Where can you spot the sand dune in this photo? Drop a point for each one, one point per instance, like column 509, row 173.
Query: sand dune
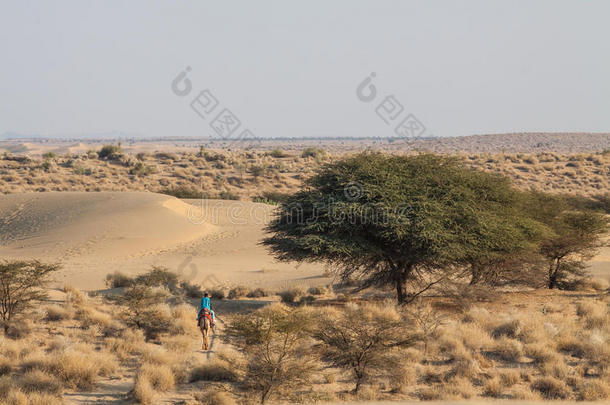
column 213, row 242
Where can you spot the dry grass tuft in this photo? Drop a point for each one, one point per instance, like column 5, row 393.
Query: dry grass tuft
column 160, row 377
column 40, row 382
column 57, row 313
column 143, row 391
column 508, row 349
column 215, row 370
column 594, row 390
column 493, row 388
column 551, row 388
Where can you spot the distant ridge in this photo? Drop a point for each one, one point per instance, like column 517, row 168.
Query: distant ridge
column 524, row 142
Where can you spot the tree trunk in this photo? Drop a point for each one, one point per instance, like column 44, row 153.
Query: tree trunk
column 476, row 275
column 553, row 274
column 400, row 281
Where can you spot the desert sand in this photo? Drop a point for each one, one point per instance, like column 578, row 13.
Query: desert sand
column 210, row 242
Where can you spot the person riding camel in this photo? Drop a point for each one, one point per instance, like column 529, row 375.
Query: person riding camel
column 206, row 307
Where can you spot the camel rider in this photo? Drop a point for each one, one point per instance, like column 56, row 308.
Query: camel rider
column 206, row 304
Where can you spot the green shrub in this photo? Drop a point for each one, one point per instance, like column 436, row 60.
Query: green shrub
column 49, row 155
column 158, row 277
column 277, row 153
column 227, row 195
column 110, row 152
column 140, row 169
column 183, row 192
column 316, row 153
column 271, row 197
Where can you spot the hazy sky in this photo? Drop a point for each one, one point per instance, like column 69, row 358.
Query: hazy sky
column 288, row 68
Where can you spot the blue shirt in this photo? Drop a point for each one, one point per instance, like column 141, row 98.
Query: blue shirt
column 205, row 303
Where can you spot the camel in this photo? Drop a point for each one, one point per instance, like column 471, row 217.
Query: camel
column 205, row 328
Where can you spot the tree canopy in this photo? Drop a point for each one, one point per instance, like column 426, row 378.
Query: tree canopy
column 22, row 283
column 402, row 221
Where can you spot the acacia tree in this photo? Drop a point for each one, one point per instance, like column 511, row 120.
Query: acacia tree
column 276, row 343
column 577, row 235
column 363, row 340
column 400, row 221
column 21, row 284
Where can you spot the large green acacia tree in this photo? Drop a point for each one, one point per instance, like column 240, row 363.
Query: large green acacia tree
column 401, row 221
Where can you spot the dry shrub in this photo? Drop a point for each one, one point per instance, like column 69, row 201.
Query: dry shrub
column 191, row 290
column 130, row 343
column 403, row 376
column 216, row 370
column 572, row 344
column 180, row 344
column 238, row 292
column 160, row 377
column 44, row 399
column 143, row 391
column 456, row 388
column 508, row 349
column 217, row 294
column 257, row 293
column 288, row 296
column 319, row 290
column 430, row 375
column 92, row 317
column 541, row 353
column 74, row 296
column 524, row 393
column 551, row 388
column 509, row 377
column 600, row 284
column 157, row 355
column 215, row 398
column 510, row 329
column 57, row 313
column 6, row 365
column 16, row 397
column 474, row 338
column 493, row 388
column 183, row 320
column 594, row 390
column 452, row 347
column 20, row 329
column 465, row 368
column 369, row 393
column 429, row 394
column 364, row 340
column 593, row 313
column 118, row 280
column 76, row 368
column 276, row 347
column 555, row 368
column 40, row 382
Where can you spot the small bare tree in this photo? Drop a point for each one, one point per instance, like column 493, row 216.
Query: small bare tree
column 277, row 344
column 363, row 339
column 21, row 284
